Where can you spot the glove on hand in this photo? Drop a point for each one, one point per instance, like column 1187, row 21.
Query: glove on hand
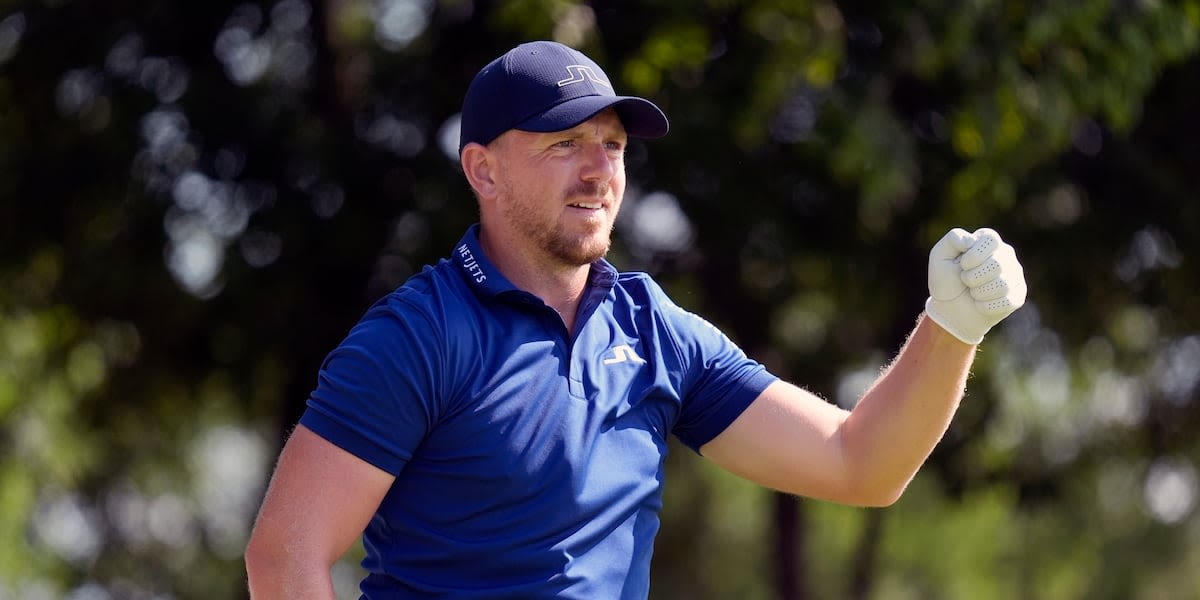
column 974, row 282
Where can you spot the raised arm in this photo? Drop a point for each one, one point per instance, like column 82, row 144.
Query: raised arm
column 790, row 440
column 318, row 503
column 793, row 441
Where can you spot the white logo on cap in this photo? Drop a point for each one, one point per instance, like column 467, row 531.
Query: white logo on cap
column 581, row 73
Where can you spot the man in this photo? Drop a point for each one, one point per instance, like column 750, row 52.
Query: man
column 497, row 426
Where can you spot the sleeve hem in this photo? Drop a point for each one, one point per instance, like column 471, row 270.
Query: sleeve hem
column 730, row 410
column 351, row 441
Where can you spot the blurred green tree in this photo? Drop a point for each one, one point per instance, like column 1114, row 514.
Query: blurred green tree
column 198, row 199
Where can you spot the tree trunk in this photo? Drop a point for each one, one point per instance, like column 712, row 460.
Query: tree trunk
column 789, row 548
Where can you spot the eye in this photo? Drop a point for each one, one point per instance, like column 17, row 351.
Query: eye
column 615, row 146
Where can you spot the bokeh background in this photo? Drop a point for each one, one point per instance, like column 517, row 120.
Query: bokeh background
column 198, row 199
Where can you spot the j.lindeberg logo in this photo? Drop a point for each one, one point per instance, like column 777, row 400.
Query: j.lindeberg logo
column 580, row 74
column 470, row 264
column 624, row 353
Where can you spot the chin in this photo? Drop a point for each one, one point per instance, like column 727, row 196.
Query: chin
column 580, row 254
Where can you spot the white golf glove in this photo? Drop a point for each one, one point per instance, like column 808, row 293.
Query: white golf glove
column 974, row 282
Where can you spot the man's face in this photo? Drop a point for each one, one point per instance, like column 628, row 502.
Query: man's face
column 562, row 190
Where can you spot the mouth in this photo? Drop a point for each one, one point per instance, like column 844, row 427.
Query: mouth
column 587, row 205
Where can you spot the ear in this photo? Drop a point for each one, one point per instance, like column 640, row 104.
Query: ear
column 479, row 165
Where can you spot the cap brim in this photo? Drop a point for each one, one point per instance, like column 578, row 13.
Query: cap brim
column 640, row 117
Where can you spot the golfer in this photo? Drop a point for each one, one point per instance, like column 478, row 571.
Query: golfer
column 497, row 426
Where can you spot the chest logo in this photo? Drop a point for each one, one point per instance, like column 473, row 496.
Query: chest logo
column 623, row 353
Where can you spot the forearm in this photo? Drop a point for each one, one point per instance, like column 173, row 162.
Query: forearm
column 904, row 414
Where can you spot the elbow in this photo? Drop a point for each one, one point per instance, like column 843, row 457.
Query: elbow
column 873, row 479
column 259, row 560
column 883, row 499
column 276, row 568
column 860, row 494
column 865, row 500
column 264, row 561
column 879, row 494
column 871, row 485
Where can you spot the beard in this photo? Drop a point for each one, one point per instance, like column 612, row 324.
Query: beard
column 579, row 252
column 566, row 247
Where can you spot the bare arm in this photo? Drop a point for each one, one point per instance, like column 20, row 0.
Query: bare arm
column 318, row 503
column 791, row 440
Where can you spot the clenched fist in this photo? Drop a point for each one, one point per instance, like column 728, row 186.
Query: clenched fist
column 975, row 281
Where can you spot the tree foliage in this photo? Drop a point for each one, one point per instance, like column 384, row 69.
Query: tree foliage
column 198, row 199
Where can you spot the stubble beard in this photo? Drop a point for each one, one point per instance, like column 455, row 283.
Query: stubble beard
column 577, row 252
column 551, row 237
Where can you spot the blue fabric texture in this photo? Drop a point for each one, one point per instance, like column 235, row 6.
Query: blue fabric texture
column 528, row 459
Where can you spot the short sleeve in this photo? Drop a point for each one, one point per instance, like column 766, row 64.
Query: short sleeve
column 718, row 380
column 375, row 395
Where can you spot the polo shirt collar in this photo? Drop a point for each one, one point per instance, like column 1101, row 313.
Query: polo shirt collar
column 486, row 280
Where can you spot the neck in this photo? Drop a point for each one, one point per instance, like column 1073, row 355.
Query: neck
column 559, row 285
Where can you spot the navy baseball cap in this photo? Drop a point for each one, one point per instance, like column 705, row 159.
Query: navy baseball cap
column 546, row 86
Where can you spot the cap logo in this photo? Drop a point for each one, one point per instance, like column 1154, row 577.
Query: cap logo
column 580, row 74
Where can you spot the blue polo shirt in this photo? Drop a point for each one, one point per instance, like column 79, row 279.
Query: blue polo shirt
column 528, row 459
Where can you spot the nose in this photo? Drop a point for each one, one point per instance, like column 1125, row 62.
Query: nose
column 599, row 163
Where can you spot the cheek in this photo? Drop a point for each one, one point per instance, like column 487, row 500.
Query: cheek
column 618, row 168
column 618, row 184
column 525, row 184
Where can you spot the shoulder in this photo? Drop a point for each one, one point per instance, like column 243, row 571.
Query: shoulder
column 645, row 290
column 640, row 287
column 421, row 311
column 424, row 329
column 436, row 289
